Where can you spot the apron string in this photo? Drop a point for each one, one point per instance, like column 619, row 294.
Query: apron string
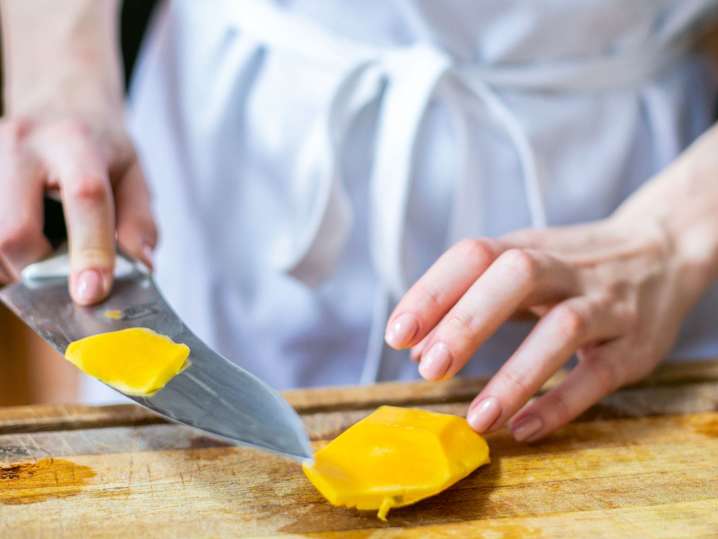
column 412, row 78
column 532, row 177
column 371, row 372
column 466, row 217
column 322, row 216
column 412, row 75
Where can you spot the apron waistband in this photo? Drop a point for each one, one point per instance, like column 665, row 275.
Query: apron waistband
column 407, row 79
column 414, row 76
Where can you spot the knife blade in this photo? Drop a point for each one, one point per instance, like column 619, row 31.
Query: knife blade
column 212, row 394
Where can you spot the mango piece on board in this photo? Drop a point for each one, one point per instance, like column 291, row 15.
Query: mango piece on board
column 137, row 361
column 396, row 457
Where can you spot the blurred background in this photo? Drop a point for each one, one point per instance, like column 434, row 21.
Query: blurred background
column 30, row 372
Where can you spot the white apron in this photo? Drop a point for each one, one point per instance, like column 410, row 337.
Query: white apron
column 309, row 160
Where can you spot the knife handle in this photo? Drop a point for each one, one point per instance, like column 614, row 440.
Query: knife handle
column 57, row 265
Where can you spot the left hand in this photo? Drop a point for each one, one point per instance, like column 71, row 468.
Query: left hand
column 613, row 292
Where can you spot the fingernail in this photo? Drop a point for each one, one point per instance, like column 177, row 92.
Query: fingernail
column 89, row 286
column 484, row 414
column 435, row 362
column 402, row 330
column 526, row 428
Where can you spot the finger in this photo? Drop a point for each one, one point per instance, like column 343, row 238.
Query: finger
column 417, row 350
column 425, row 304
column 550, row 344
column 569, row 238
column 21, row 208
column 82, row 174
column 516, row 276
column 592, row 379
column 5, row 275
column 136, row 229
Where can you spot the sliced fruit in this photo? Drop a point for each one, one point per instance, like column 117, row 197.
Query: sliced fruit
column 137, row 361
column 396, row 457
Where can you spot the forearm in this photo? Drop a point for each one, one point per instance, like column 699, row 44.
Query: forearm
column 60, row 55
column 683, row 200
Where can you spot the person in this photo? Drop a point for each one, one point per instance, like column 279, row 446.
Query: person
column 544, row 173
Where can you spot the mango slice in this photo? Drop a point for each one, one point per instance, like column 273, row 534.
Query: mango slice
column 137, row 361
column 396, row 457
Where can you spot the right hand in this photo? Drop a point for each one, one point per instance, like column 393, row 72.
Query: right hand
column 100, row 181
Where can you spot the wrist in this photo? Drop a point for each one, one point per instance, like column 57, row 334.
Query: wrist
column 66, row 96
column 682, row 203
column 694, row 252
column 61, row 59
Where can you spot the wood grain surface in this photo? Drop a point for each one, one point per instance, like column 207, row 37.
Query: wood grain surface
column 643, row 463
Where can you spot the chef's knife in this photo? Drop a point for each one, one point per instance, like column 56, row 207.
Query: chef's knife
column 212, row 394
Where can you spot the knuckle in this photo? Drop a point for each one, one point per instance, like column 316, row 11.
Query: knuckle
column 522, row 263
column 517, row 383
column 89, row 188
column 15, row 236
column 461, row 322
column 559, row 407
column 607, row 374
column 474, row 252
column 571, row 322
column 13, row 130
column 430, row 297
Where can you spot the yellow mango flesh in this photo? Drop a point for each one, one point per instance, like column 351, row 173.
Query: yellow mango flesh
column 396, row 457
column 137, row 361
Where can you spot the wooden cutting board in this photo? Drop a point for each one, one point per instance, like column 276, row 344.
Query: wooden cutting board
column 644, row 463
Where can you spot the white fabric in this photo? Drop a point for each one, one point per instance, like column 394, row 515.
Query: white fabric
column 310, row 159
column 413, row 74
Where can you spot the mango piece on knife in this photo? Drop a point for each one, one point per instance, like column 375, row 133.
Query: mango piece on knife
column 137, row 361
column 396, row 457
